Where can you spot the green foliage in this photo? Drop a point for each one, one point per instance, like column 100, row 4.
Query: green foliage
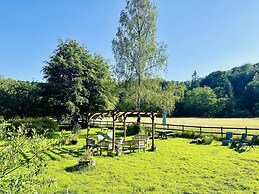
column 133, row 129
column 137, row 128
column 189, row 135
column 219, row 82
column 39, row 125
column 62, row 138
column 77, row 82
column 20, row 98
column 200, row 102
column 195, row 83
column 206, row 140
column 135, row 49
column 21, row 160
column 236, row 93
column 158, row 95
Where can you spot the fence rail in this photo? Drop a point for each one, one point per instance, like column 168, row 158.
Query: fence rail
column 217, row 130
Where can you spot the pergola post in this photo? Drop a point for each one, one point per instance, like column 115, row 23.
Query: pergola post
column 153, row 131
column 114, row 118
column 124, row 126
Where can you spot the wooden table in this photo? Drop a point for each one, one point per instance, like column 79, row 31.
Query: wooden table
column 163, row 134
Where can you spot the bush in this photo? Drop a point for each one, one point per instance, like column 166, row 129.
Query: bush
column 136, row 128
column 190, row 135
column 76, row 129
column 206, row 140
column 133, row 129
column 40, row 125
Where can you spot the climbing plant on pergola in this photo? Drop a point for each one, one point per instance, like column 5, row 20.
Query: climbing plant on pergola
column 115, row 115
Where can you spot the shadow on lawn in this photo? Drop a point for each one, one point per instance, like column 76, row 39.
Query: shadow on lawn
column 78, row 168
column 240, row 151
column 72, row 152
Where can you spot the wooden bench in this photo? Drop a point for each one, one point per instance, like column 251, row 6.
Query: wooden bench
column 144, row 137
column 135, row 144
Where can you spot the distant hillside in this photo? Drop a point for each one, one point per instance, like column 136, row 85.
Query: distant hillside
column 236, row 90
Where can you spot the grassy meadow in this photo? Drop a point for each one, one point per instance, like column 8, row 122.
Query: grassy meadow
column 213, row 123
column 176, row 167
column 216, row 122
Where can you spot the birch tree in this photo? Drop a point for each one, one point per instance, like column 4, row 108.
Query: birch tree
column 137, row 54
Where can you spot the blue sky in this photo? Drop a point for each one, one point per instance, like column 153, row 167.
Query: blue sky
column 201, row 35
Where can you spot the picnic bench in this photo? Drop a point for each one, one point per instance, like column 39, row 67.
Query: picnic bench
column 164, row 134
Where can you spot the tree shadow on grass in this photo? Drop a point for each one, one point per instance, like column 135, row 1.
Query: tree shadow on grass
column 69, row 151
column 240, row 151
column 78, row 168
column 51, row 156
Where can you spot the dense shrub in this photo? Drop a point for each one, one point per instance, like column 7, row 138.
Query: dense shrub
column 197, row 138
column 206, row 140
column 40, row 125
column 190, row 135
column 133, row 129
column 136, row 128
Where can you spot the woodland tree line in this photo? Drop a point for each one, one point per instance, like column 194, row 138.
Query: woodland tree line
column 78, row 81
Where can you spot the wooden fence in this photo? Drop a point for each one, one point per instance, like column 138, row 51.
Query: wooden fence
column 187, row 128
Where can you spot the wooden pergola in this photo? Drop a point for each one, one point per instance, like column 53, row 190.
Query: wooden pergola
column 115, row 115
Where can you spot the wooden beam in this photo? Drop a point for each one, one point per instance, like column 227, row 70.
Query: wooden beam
column 124, row 125
column 153, row 131
column 114, row 118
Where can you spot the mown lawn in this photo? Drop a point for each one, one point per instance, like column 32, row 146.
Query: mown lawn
column 177, row 167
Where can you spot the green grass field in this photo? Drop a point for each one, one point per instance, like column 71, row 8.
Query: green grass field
column 226, row 122
column 176, row 167
column 214, row 123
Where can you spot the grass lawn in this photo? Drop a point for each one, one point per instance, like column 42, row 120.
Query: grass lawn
column 177, row 167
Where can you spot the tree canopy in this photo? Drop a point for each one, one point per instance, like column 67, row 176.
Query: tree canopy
column 77, row 81
column 135, row 49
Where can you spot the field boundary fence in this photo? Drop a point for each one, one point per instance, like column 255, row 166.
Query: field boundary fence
column 210, row 130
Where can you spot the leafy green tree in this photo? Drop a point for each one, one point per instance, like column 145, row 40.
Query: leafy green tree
column 250, row 98
column 19, row 98
column 195, row 80
column 158, row 96
column 100, row 85
column 64, row 74
column 135, row 49
column 77, row 81
column 219, row 82
column 241, row 76
column 200, row 102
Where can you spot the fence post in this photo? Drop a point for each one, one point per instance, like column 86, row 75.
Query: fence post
column 168, row 126
column 200, row 130
column 182, row 128
column 221, row 128
column 246, row 130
